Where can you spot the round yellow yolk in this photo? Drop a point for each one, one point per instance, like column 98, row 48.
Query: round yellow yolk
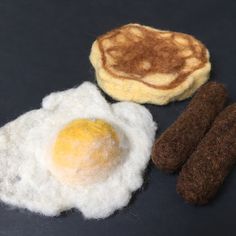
column 85, row 148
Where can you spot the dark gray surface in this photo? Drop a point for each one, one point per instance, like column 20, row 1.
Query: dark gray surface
column 44, row 46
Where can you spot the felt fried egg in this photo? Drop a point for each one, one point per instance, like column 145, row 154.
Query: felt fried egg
column 76, row 151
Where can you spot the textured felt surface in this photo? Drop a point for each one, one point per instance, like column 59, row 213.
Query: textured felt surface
column 203, row 174
column 177, row 143
column 44, row 46
column 29, row 174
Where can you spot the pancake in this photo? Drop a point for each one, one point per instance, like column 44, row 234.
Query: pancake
column 146, row 65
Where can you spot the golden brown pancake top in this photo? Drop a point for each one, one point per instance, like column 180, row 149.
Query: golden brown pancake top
column 133, row 52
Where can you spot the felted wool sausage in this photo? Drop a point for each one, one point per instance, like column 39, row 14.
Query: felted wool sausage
column 178, row 142
column 206, row 169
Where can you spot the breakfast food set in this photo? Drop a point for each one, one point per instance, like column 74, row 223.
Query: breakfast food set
column 79, row 151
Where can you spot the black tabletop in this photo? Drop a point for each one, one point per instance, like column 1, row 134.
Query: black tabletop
column 44, row 47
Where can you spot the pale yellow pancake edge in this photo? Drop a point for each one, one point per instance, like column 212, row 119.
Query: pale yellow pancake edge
column 132, row 90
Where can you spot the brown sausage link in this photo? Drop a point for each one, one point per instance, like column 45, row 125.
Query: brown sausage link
column 178, row 142
column 206, row 169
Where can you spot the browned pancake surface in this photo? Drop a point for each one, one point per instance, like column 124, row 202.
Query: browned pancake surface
column 133, row 52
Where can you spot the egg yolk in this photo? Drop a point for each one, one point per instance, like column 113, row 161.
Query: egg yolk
column 85, row 150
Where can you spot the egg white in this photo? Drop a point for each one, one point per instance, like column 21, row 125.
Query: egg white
column 26, row 143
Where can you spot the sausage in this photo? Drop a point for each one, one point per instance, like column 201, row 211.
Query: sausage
column 178, row 142
column 206, row 169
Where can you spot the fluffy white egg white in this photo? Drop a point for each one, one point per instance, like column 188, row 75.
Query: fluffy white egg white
column 26, row 179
